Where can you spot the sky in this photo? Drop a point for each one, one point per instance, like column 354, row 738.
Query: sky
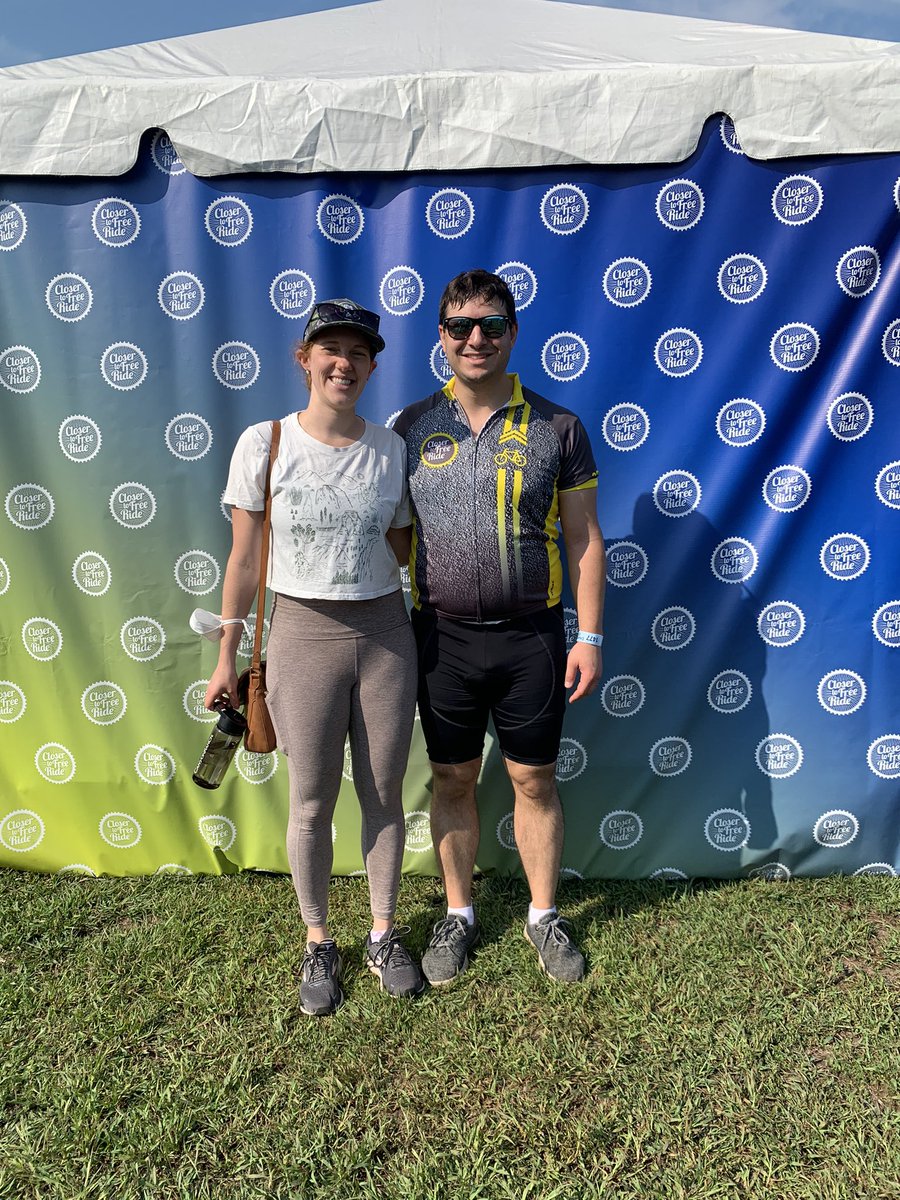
column 35, row 29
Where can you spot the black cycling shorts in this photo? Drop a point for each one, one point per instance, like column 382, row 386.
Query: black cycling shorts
column 513, row 671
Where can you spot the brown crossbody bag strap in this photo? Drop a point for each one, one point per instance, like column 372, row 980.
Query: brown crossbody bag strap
column 264, row 551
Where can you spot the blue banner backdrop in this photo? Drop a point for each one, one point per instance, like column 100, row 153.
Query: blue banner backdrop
column 729, row 332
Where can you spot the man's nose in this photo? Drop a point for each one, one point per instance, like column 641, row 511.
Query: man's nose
column 476, row 337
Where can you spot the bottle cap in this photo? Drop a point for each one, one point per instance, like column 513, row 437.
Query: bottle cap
column 231, row 721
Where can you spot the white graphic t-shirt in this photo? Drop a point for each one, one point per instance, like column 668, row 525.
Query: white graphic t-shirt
column 331, row 508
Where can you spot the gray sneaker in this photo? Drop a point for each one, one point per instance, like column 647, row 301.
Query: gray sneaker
column 560, row 957
column 395, row 967
column 448, row 951
column 320, row 979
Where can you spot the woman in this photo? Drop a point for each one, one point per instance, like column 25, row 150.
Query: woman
column 340, row 656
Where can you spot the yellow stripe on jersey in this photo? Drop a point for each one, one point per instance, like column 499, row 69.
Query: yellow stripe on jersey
column 554, row 563
column 581, row 487
column 517, row 529
column 501, row 529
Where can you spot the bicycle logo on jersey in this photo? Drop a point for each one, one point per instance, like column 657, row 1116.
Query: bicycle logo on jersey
column 510, row 458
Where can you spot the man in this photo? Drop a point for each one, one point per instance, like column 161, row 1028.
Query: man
column 492, row 467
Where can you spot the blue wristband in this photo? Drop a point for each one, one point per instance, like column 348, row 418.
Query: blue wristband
column 592, row 639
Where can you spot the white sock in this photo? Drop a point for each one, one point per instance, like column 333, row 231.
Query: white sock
column 468, row 913
column 376, row 935
column 537, row 914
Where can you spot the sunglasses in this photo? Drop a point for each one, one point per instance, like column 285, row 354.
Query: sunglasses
column 331, row 311
column 459, row 328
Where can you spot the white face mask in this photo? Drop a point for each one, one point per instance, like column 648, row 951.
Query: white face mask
column 210, row 625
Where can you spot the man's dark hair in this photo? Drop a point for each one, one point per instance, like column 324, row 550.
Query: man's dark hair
column 477, row 285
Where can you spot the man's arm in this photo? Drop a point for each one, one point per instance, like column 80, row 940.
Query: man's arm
column 586, row 556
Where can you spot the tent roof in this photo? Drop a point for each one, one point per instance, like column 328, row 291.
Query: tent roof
column 401, row 85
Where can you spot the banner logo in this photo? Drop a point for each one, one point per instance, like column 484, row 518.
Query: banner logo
column 197, row 572
column 680, row 204
column 794, row 347
column 876, row 869
column 670, row 756
column 120, row 830
column 571, row 760
column 228, row 221
column 506, row 833
column 217, row 831
column 620, row 830
column 859, row 271
column 255, row 768
column 787, row 488
column 440, row 368
column 678, row 353
column 727, row 829
column 5, row 577
column 734, row 560
column 21, row 830
column 188, row 436
column 79, row 438
column 133, row 505
column 29, row 506
column 673, row 628
column 194, row 702
column 570, row 621
column 402, row 290
column 347, row 769
column 13, row 225
column 883, row 756
column 245, row 645
column 836, row 828
column 740, row 422
column 677, row 493
column 729, row 137
column 92, row 573
column 340, row 219
column 797, row 200
column 742, row 278
column 164, row 156
column 292, row 293
column 781, row 623
column 729, row 692
column 12, row 702
column 626, row 564
column 42, row 638
column 564, row 209
column 521, row 281
column 627, row 282
column 69, row 297
column 154, row 765
column 773, row 872
column 115, row 222
column 779, row 756
column 142, row 638
column 850, row 416
column 20, row 369
column 55, row 762
column 104, row 702
column 123, row 366
column 841, row 692
column 844, row 556
column 887, row 485
column 625, row 427
column 890, row 343
column 565, row 356
column 623, row 696
column 886, row 624
column 181, row 295
column 669, row 875
column 418, row 833
column 450, row 213
column 236, row 365
column 172, row 869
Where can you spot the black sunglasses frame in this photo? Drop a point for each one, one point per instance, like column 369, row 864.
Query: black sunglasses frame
column 471, row 322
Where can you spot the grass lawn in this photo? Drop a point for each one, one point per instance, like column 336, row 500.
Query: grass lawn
column 734, row 1039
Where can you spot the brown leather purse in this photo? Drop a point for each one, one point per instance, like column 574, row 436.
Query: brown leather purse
column 260, row 735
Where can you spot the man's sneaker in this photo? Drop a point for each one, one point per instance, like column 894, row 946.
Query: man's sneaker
column 448, row 950
column 395, row 967
column 320, row 979
column 560, row 957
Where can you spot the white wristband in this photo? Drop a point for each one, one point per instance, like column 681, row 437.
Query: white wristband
column 592, row 639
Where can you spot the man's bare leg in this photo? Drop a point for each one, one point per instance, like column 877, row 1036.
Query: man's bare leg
column 538, row 824
column 455, row 827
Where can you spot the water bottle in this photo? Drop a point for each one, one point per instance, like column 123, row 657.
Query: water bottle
column 223, row 741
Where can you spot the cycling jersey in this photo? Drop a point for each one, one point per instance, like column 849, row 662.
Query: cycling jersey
column 485, row 508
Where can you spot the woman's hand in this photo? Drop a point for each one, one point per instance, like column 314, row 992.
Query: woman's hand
column 223, row 686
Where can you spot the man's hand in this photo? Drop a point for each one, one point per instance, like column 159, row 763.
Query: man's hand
column 585, row 663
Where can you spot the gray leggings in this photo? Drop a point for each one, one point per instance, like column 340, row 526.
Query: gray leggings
column 336, row 667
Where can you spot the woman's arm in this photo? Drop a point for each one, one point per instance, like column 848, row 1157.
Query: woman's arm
column 239, row 589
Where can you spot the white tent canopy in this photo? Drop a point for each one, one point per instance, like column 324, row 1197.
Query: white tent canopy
column 402, row 85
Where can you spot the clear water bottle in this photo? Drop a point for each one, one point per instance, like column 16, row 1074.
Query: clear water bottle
column 223, row 741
